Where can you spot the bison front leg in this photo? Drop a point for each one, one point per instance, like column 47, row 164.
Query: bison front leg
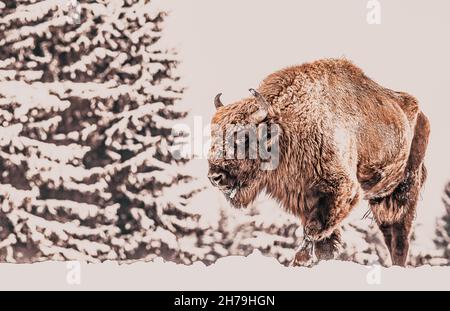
column 330, row 202
column 335, row 200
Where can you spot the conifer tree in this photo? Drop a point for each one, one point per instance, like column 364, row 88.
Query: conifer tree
column 88, row 98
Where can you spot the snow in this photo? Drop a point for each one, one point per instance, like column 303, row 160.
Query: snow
column 254, row 272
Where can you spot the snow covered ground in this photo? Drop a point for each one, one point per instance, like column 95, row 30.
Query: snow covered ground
column 255, row 272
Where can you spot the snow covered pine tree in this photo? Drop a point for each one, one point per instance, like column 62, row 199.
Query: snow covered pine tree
column 88, row 97
column 443, row 227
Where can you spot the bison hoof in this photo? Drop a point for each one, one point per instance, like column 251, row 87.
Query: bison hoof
column 303, row 258
column 325, row 250
column 305, row 255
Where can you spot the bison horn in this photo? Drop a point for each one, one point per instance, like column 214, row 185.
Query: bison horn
column 217, row 101
column 260, row 99
column 263, row 110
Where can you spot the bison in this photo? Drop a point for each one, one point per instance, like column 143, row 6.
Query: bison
column 342, row 138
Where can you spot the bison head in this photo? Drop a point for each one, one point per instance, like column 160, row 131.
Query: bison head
column 244, row 148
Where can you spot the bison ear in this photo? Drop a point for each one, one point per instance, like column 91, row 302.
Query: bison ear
column 217, row 101
column 263, row 107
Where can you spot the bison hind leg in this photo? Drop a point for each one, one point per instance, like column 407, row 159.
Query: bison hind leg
column 396, row 212
column 395, row 222
column 394, row 215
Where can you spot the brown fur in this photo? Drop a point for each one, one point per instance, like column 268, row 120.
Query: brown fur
column 344, row 137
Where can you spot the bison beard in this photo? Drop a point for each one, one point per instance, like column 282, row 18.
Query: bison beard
column 343, row 138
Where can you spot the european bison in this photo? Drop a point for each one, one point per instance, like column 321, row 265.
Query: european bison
column 342, row 137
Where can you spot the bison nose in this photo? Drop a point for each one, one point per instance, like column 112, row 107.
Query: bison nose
column 216, row 178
